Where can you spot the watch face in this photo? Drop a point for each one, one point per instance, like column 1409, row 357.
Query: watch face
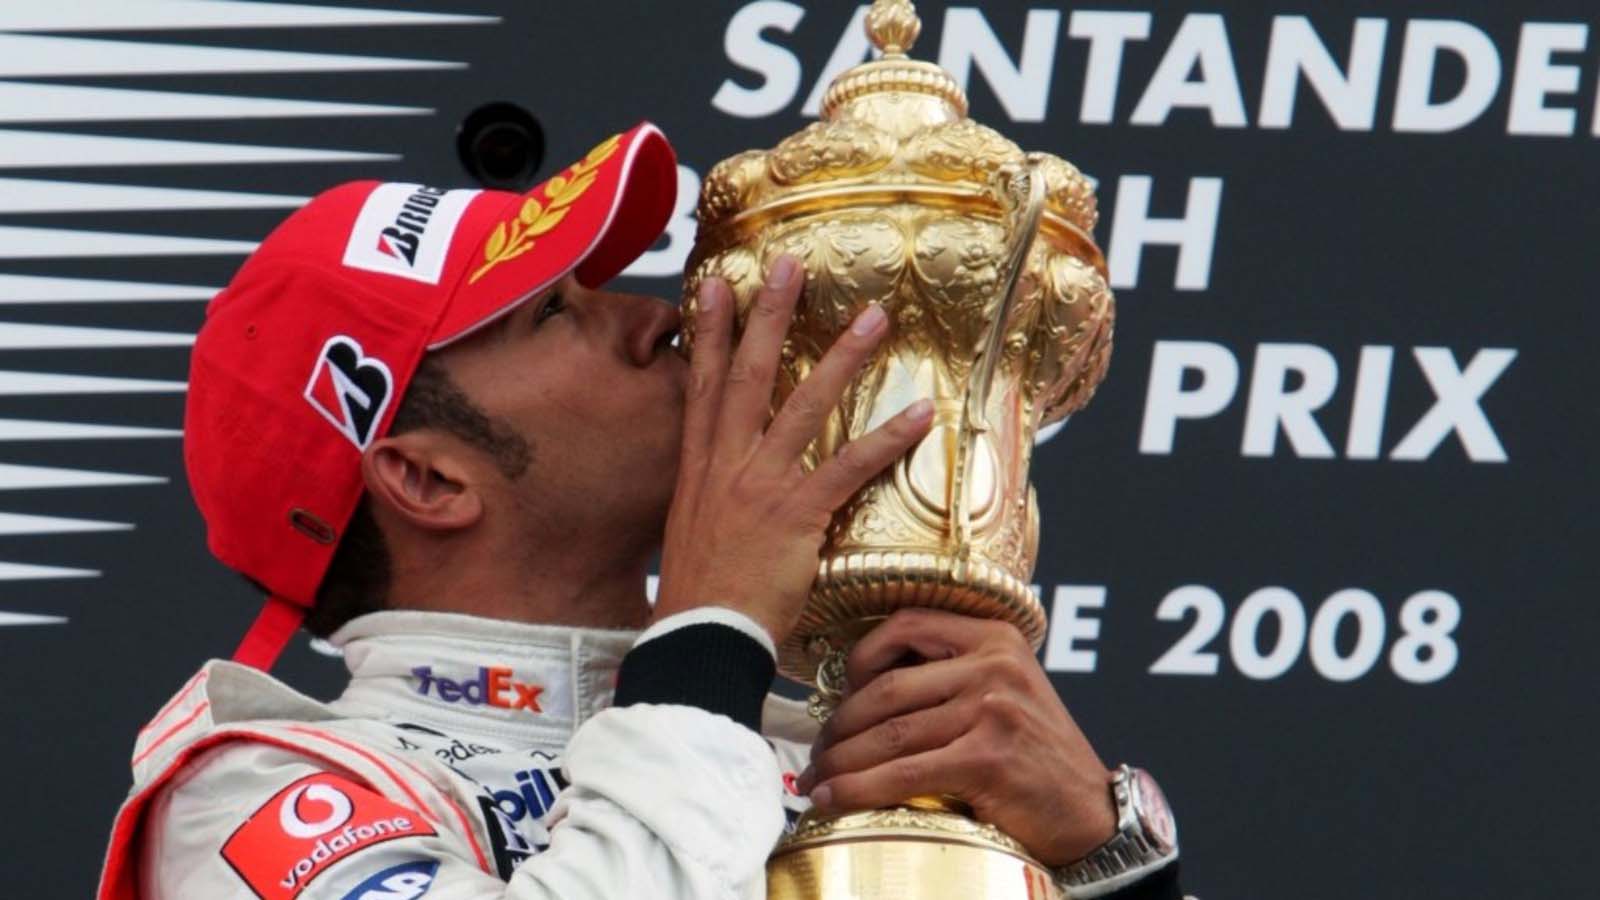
column 1155, row 817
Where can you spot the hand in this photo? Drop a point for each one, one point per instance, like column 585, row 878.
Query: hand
column 977, row 720
column 747, row 522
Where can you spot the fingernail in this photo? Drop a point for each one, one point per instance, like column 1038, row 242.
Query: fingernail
column 920, row 411
column 709, row 296
column 869, row 320
column 782, row 271
column 822, row 796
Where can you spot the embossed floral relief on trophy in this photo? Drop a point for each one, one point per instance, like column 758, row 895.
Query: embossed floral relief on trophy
column 983, row 257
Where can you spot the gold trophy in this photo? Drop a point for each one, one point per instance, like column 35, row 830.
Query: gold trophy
column 983, row 257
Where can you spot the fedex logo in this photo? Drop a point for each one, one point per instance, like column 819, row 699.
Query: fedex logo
column 401, row 239
column 494, row 686
column 307, row 827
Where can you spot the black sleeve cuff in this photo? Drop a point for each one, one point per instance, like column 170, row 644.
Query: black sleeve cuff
column 714, row 667
column 1161, row 885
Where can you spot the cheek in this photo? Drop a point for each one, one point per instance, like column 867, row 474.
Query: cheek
column 626, row 421
column 637, row 402
column 600, row 410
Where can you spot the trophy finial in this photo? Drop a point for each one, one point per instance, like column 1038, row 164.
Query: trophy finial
column 893, row 26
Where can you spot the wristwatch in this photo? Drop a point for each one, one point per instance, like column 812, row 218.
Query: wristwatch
column 1146, row 838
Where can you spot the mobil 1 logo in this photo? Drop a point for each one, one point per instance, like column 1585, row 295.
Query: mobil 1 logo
column 407, row 881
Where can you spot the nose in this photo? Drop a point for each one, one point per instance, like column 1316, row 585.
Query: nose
column 645, row 324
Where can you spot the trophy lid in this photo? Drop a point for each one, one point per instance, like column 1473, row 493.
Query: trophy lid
column 892, row 129
column 893, row 27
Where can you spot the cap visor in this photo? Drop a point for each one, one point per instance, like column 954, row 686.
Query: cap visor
column 594, row 219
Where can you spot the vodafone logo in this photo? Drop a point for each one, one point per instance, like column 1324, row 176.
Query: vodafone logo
column 293, row 821
column 309, row 826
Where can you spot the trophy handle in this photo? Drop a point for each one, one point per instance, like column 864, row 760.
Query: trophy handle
column 1021, row 192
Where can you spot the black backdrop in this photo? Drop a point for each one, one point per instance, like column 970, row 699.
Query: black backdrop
column 1345, row 615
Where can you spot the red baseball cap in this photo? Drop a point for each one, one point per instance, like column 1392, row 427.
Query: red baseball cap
column 302, row 358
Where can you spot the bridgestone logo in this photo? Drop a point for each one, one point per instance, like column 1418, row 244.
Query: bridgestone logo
column 400, row 239
column 406, row 230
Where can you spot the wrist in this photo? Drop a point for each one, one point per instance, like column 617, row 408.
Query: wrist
column 665, row 624
column 1145, row 840
column 710, row 665
column 1086, row 826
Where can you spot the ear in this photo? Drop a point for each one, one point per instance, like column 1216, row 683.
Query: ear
column 418, row 477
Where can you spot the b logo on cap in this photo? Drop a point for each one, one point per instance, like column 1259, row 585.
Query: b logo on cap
column 350, row 390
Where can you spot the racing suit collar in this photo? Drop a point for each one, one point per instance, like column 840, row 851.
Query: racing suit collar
column 510, row 682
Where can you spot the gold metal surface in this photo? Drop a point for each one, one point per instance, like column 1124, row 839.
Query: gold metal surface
column 983, row 257
column 899, row 854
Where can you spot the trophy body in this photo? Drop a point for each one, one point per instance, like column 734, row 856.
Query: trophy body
column 999, row 312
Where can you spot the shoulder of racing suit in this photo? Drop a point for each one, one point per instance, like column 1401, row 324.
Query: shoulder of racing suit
column 235, row 776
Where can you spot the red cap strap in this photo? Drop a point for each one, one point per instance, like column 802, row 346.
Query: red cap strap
column 272, row 631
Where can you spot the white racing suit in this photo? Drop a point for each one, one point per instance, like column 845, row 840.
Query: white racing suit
column 473, row 758
column 470, row 758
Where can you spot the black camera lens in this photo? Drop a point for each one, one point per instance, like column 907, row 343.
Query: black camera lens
column 501, row 145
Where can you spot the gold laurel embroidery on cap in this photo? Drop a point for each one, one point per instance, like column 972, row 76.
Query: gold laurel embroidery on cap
column 515, row 236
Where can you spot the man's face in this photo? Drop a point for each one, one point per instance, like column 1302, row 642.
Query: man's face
column 590, row 380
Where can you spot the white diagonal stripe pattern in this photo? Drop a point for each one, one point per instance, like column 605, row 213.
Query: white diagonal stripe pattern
column 17, row 524
column 32, row 430
column 28, row 478
column 36, row 384
column 59, row 243
column 36, row 56
column 22, row 195
column 44, row 289
column 132, row 15
column 10, row 571
column 26, row 336
column 26, row 102
column 37, row 43
column 8, row 619
column 39, row 149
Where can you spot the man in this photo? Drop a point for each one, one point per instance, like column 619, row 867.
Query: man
column 418, row 423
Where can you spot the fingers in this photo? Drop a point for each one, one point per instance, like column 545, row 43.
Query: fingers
column 929, row 634
column 890, row 739
column 748, row 397
column 808, row 406
column 940, row 771
column 855, row 463
column 896, row 692
column 708, row 369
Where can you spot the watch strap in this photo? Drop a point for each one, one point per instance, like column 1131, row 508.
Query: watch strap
column 1129, row 856
column 1158, row 881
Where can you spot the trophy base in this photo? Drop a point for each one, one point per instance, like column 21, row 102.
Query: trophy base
column 903, row 853
column 855, row 590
